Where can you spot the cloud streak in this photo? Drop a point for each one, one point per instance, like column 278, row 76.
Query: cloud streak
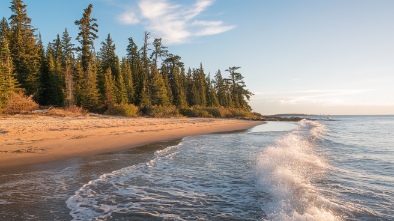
column 316, row 97
column 175, row 23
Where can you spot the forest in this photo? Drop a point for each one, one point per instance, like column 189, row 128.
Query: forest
column 148, row 81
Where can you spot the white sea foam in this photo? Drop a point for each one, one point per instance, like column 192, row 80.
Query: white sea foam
column 86, row 203
column 288, row 170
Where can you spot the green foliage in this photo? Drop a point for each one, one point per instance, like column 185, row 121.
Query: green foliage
column 87, row 34
column 109, row 89
column 65, row 75
column 161, row 111
column 158, row 89
column 218, row 112
column 24, row 48
column 128, row 79
column 88, row 91
column 195, row 111
column 127, row 110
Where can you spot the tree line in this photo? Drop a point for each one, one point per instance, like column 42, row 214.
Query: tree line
column 65, row 74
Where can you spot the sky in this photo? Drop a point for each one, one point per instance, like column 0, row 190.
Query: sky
column 297, row 56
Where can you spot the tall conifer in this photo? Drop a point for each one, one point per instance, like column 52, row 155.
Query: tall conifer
column 88, row 88
column 24, row 49
column 8, row 83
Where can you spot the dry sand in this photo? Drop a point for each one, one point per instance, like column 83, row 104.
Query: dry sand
column 30, row 139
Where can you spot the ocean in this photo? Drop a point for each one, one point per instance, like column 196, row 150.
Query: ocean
column 338, row 169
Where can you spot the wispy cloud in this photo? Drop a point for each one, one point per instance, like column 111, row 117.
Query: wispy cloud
column 175, row 23
column 317, row 97
column 129, row 17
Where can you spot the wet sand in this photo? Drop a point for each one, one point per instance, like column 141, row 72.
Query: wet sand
column 33, row 139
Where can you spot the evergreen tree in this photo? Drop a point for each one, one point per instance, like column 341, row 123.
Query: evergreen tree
column 174, row 64
column 138, row 74
column 191, row 89
column 196, row 88
column 68, row 63
column 212, row 100
column 88, row 83
column 202, row 86
column 158, row 89
column 159, row 51
column 56, row 73
column 8, row 83
column 145, row 75
column 121, row 95
column 5, row 31
column 128, row 79
column 109, row 88
column 24, row 49
column 220, row 89
column 88, row 29
column 44, row 77
column 108, row 59
column 68, row 49
column 164, row 73
column 238, row 91
column 178, row 89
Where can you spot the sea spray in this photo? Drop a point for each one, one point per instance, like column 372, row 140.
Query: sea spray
column 288, row 170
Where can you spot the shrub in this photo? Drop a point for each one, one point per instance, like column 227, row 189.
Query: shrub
column 218, row 112
column 76, row 110
column 162, row 111
column 67, row 111
column 195, row 112
column 127, row 110
column 18, row 103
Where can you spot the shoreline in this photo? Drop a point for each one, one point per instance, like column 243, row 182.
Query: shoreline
column 35, row 139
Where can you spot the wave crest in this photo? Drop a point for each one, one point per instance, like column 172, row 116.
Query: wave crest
column 288, row 170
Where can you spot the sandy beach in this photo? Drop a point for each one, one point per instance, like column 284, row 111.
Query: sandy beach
column 31, row 139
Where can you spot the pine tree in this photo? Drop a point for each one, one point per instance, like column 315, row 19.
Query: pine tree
column 58, row 74
column 108, row 59
column 68, row 49
column 201, row 84
column 140, row 96
column 220, row 89
column 212, row 100
column 44, row 77
column 88, row 83
column 158, row 89
column 196, row 88
column 55, row 85
column 178, row 89
column 159, row 51
column 128, row 79
column 164, row 73
column 109, row 88
column 237, row 89
column 24, row 49
column 5, row 31
column 8, row 83
column 121, row 95
column 68, row 62
column 191, row 90
column 145, row 75
column 174, row 64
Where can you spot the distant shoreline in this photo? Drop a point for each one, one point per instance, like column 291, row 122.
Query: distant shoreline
column 34, row 139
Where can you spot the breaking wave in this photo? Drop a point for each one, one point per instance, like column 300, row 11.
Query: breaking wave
column 289, row 170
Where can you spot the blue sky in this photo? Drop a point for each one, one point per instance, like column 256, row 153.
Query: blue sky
column 297, row 56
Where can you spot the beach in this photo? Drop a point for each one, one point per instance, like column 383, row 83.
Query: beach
column 33, row 139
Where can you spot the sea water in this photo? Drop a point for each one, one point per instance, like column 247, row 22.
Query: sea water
column 309, row 170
